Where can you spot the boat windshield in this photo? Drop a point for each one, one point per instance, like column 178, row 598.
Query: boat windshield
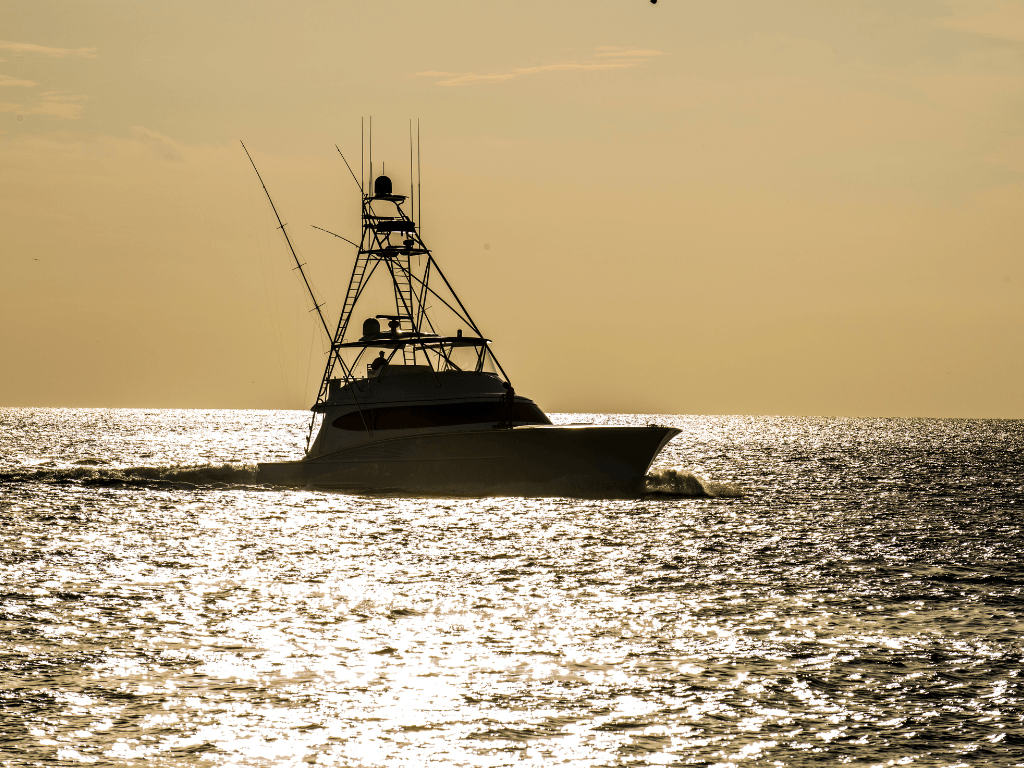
column 439, row 415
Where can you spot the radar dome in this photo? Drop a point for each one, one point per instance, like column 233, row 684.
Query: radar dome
column 371, row 327
column 382, row 186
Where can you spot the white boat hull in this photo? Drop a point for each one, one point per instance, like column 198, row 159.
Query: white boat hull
column 578, row 461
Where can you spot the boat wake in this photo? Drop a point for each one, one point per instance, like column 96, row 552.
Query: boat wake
column 684, row 484
column 89, row 474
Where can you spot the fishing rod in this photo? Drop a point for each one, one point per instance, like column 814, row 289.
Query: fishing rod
column 298, row 264
column 314, row 226
column 350, row 169
column 316, row 305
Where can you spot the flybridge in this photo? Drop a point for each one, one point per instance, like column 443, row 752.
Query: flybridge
column 392, row 249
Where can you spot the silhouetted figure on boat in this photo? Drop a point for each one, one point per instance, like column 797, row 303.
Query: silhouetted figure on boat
column 378, row 362
column 506, row 406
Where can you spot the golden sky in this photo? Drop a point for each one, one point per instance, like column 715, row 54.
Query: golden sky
column 809, row 208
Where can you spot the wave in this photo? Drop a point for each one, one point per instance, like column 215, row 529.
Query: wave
column 683, row 483
column 204, row 474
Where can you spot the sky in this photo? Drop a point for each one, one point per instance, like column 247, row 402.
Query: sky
column 740, row 207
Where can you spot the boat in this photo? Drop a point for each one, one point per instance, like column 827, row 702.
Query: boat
column 414, row 401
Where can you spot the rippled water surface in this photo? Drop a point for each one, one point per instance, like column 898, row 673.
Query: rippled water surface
column 829, row 591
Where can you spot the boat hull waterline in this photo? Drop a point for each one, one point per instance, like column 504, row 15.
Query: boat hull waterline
column 578, row 461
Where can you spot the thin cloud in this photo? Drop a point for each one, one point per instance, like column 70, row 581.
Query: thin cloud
column 157, row 144
column 631, row 53
column 1006, row 22
column 51, row 104
column 605, row 58
column 7, row 80
column 43, row 50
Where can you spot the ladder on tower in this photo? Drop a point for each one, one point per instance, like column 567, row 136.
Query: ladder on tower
column 403, row 301
column 355, row 284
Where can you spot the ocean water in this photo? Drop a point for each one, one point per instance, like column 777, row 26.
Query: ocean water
column 791, row 592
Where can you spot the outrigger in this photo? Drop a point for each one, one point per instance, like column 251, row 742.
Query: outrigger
column 434, row 412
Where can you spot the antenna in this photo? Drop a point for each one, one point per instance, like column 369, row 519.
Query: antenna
column 298, row 264
column 362, row 153
column 412, row 203
column 371, row 151
column 419, row 181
